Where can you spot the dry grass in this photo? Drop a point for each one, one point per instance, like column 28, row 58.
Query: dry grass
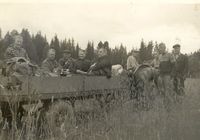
column 124, row 122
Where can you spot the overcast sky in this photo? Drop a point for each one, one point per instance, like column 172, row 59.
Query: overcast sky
column 126, row 21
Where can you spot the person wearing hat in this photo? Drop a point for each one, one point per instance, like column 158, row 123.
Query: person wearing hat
column 66, row 61
column 132, row 62
column 180, row 70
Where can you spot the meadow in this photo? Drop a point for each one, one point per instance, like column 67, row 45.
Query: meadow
column 122, row 121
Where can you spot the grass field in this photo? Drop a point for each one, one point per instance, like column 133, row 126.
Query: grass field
column 123, row 122
column 182, row 122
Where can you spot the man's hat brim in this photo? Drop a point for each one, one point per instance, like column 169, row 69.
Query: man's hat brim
column 66, row 51
column 176, row 46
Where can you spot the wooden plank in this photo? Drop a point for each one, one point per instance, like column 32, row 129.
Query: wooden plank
column 55, row 85
column 102, row 83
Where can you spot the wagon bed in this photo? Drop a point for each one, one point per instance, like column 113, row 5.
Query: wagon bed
column 35, row 88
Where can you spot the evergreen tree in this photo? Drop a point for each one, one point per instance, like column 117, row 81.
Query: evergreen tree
column 194, row 64
column 56, row 45
column 0, row 34
column 90, row 51
column 100, row 45
column 77, row 51
column 41, row 46
column 142, row 53
column 2, row 49
column 149, row 51
column 29, row 46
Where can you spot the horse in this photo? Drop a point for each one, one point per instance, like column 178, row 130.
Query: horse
column 142, row 81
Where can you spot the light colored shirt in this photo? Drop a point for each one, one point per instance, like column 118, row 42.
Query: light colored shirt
column 132, row 63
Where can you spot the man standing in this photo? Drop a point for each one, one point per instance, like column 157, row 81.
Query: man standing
column 180, row 69
column 81, row 65
column 166, row 64
column 102, row 67
column 132, row 63
column 49, row 65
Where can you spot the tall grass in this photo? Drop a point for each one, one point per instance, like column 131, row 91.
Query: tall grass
column 121, row 121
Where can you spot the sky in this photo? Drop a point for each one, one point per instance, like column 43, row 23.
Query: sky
column 115, row 21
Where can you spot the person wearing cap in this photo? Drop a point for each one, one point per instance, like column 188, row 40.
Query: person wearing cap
column 66, row 61
column 166, row 64
column 81, row 65
column 180, row 70
column 50, row 66
column 132, row 62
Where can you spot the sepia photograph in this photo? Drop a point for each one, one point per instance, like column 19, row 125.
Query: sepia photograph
column 99, row 69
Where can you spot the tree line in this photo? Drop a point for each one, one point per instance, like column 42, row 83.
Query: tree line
column 37, row 45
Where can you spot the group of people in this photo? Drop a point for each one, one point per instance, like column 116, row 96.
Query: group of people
column 172, row 68
column 66, row 65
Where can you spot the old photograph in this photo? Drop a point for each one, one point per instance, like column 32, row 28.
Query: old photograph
column 99, row 70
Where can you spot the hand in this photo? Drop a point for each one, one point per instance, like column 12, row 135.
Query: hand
column 92, row 66
column 90, row 72
column 53, row 74
column 81, row 72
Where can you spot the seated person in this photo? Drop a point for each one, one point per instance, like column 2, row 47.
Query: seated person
column 102, row 66
column 66, row 61
column 81, row 65
column 50, row 66
column 16, row 49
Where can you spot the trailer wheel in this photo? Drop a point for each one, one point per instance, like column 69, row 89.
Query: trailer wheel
column 61, row 118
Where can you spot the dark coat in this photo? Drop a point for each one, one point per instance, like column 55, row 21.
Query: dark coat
column 80, row 64
column 66, row 63
column 181, row 65
column 103, row 67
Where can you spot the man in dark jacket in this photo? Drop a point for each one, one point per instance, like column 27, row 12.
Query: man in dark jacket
column 66, row 61
column 180, row 70
column 81, row 65
column 102, row 66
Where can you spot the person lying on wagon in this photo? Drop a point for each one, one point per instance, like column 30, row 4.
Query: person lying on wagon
column 102, row 66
